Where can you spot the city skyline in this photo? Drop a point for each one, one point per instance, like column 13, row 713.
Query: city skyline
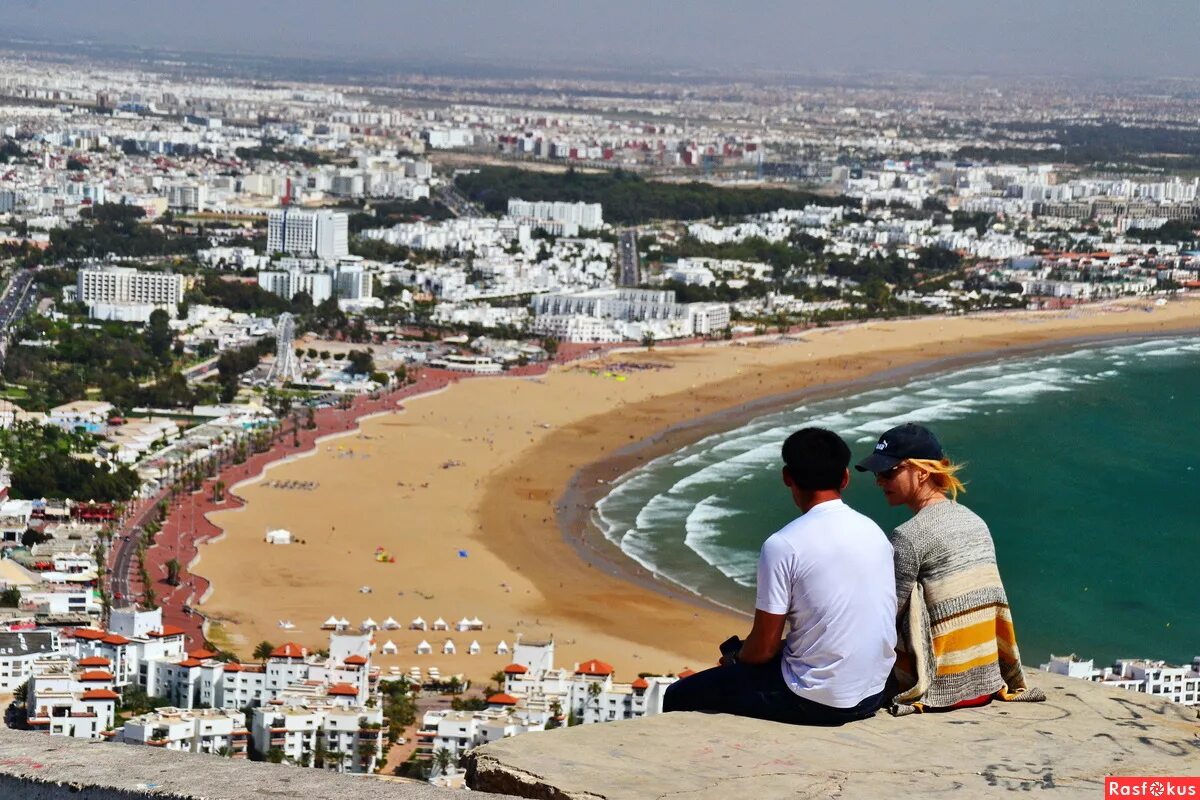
column 817, row 38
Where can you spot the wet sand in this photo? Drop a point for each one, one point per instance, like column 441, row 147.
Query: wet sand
column 505, row 469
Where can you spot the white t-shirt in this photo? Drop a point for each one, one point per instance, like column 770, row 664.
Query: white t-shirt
column 831, row 572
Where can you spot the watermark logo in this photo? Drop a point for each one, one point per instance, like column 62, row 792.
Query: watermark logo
column 1151, row 786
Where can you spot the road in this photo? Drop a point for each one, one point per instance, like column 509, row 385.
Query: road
column 627, row 259
column 17, row 300
column 459, row 206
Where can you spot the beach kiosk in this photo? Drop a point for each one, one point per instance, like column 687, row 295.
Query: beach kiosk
column 463, row 624
column 369, row 624
column 424, row 648
column 330, row 624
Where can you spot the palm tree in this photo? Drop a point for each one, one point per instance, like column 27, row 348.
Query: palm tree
column 173, row 568
column 442, row 759
column 594, row 690
column 218, row 494
column 262, row 650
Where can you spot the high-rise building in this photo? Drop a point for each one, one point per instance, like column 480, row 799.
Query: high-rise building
column 106, row 284
column 323, row 233
column 289, row 283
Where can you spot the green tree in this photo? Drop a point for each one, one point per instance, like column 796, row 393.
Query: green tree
column 173, row 569
column 275, row 755
column 10, row 597
column 442, row 759
column 262, row 650
column 159, row 336
column 550, row 345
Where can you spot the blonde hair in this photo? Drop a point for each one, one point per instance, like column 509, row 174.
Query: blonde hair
column 942, row 474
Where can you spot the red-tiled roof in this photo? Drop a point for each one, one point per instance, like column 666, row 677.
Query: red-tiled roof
column 101, row 694
column 95, row 661
column 640, row 683
column 516, row 669
column 190, row 663
column 115, row 639
column 201, row 653
column 96, row 675
column 89, row 633
column 167, row 630
column 685, row 672
column 356, row 660
column 594, row 667
column 502, row 699
column 288, row 650
column 233, row 666
column 342, row 690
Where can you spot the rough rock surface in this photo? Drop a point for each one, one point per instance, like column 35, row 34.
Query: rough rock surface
column 1066, row 745
column 34, row 766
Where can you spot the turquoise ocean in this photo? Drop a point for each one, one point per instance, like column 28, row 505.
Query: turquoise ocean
column 1085, row 465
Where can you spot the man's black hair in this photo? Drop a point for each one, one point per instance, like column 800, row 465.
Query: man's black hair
column 816, row 459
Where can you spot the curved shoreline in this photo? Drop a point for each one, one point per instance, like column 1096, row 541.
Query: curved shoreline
column 592, row 482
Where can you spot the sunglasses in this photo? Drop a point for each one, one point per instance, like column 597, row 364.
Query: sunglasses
column 890, row 474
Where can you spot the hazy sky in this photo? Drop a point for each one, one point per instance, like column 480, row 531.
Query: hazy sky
column 1078, row 37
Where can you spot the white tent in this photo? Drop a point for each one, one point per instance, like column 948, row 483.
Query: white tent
column 463, row 624
column 390, row 624
column 502, row 647
column 369, row 624
column 424, row 648
column 475, row 624
column 279, row 536
column 448, row 648
column 439, row 624
column 330, row 624
column 390, row 648
column 418, row 624
column 343, row 623
column 474, row 649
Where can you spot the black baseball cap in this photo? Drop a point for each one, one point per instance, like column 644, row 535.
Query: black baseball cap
column 900, row 443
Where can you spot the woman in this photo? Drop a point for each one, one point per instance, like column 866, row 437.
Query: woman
column 956, row 647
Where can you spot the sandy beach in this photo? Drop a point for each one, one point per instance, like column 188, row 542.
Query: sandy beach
column 471, row 489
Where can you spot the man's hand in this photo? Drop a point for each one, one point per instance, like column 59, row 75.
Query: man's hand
column 765, row 639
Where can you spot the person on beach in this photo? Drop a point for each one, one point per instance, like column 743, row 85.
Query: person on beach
column 956, row 647
column 827, row 578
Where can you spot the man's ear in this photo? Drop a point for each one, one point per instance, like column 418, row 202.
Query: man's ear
column 845, row 479
column 787, row 478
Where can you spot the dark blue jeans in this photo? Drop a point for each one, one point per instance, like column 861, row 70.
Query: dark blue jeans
column 758, row 690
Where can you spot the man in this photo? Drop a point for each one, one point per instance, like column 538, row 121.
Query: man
column 828, row 577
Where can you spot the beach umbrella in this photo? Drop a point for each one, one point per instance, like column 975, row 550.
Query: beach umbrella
column 474, row 649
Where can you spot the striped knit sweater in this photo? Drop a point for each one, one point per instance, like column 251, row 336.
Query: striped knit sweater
column 956, row 639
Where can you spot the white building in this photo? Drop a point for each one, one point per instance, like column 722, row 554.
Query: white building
column 287, row 284
column 216, row 731
column 64, row 701
column 127, row 294
column 350, row 737
column 18, row 652
column 1157, row 678
column 324, row 234
column 587, row 216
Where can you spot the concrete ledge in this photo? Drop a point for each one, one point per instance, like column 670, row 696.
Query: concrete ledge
column 1066, row 745
column 34, row 766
